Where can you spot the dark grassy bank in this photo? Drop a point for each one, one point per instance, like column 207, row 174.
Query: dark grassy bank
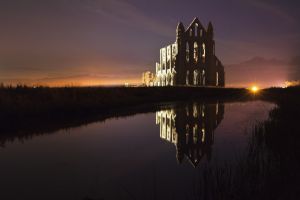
column 25, row 109
column 25, row 101
column 31, row 104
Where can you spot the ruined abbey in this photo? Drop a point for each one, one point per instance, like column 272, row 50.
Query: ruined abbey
column 191, row 60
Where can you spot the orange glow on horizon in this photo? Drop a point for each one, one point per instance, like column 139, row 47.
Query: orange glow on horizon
column 84, row 82
column 254, row 89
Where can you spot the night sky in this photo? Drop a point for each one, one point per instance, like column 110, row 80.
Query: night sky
column 91, row 42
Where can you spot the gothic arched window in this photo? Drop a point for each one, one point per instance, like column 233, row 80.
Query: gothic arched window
column 203, row 52
column 187, row 52
column 196, row 52
column 187, row 78
column 203, row 77
column 195, row 78
column 196, row 30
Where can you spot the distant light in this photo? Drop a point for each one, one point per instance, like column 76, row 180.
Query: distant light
column 292, row 83
column 254, row 89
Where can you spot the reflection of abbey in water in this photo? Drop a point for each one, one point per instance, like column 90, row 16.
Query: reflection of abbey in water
column 191, row 129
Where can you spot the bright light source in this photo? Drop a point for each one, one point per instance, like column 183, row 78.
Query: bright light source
column 254, row 89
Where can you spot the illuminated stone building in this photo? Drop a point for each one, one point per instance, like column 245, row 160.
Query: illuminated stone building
column 148, row 78
column 191, row 60
column 191, row 130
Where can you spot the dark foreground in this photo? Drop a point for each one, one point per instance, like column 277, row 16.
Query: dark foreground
column 42, row 101
column 34, row 108
column 269, row 170
column 22, row 106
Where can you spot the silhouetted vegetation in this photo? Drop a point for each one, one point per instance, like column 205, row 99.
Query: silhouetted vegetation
column 22, row 105
column 270, row 169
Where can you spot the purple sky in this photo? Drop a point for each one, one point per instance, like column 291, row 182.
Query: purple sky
column 114, row 41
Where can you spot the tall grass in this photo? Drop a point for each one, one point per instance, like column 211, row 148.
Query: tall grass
column 270, row 169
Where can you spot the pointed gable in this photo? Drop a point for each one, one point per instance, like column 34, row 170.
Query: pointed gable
column 195, row 21
column 195, row 27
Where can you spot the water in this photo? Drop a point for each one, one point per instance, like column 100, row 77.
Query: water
column 144, row 156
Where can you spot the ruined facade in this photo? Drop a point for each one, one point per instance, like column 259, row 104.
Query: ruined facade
column 191, row 60
column 148, row 79
column 191, row 129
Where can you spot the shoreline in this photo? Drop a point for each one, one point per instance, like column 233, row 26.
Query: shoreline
column 27, row 109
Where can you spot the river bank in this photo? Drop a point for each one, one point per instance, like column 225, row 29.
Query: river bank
column 38, row 107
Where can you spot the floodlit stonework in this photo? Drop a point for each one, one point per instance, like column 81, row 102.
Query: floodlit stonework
column 191, row 60
column 148, row 79
column 191, row 130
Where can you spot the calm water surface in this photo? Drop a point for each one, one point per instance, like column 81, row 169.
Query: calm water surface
column 145, row 156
